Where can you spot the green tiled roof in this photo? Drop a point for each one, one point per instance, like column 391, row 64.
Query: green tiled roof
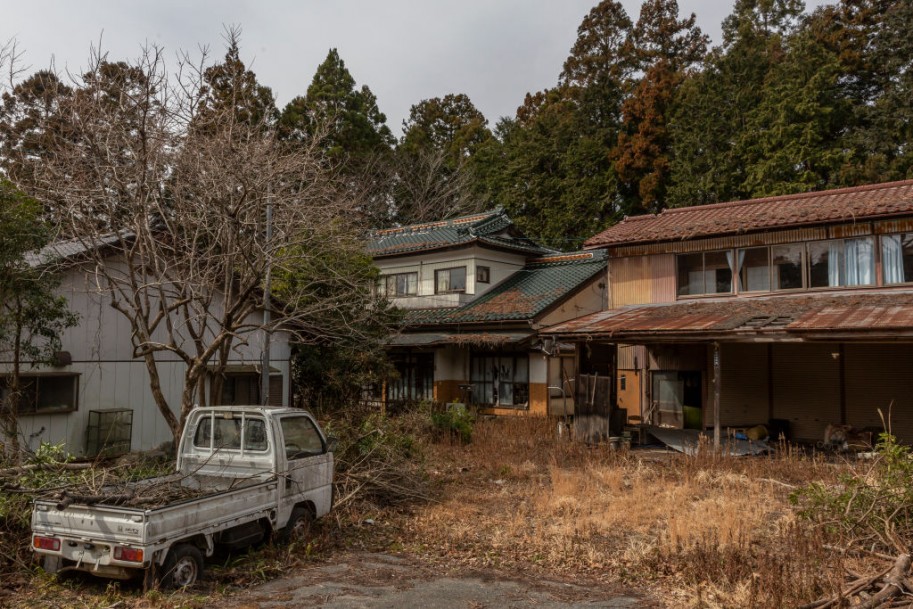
column 524, row 295
column 491, row 228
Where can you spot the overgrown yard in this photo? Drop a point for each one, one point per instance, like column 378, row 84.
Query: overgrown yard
column 699, row 531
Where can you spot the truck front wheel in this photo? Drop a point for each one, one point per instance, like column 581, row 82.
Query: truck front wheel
column 298, row 527
column 183, row 567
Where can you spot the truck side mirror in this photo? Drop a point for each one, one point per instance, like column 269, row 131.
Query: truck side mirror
column 332, row 443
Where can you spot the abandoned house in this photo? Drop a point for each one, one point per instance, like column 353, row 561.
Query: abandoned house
column 476, row 293
column 794, row 312
column 97, row 397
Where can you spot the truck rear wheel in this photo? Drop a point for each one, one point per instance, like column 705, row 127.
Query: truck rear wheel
column 51, row 564
column 183, row 567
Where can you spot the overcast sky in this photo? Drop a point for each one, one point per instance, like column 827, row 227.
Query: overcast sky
column 404, row 50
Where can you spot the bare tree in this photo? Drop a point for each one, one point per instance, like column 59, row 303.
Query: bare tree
column 427, row 189
column 168, row 194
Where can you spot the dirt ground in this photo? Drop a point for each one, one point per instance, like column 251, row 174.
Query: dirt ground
column 374, row 581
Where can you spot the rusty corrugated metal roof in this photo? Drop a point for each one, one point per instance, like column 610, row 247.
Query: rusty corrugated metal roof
column 735, row 217
column 872, row 312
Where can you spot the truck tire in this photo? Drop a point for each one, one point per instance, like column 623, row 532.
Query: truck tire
column 298, row 527
column 183, row 567
column 51, row 564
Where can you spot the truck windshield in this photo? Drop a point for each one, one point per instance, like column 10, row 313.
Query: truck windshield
column 301, row 438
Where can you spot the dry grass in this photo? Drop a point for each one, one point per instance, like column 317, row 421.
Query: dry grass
column 703, row 531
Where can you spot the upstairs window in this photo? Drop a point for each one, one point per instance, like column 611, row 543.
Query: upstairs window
column 483, row 274
column 841, row 262
column 786, row 266
column 450, row 280
column 401, row 284
column 754, row 269
column 897, row 258
column 707, row 273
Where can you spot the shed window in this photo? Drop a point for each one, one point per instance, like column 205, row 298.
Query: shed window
column 707, row 273
column 786, row 266
column 897, row 258
column 450, row 280
column 45, row 393
column 754, row 269
column 841, row 262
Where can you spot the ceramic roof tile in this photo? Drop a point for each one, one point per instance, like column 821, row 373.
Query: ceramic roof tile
column 829, row 206
column 524, row 295
column 492, row 228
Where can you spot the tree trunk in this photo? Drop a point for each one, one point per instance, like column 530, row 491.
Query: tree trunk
column 155, row 384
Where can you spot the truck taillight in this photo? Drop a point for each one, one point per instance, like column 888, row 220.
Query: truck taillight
column 128, row 554
column 46, row 543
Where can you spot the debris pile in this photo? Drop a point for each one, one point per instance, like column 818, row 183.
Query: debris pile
column 888, row 589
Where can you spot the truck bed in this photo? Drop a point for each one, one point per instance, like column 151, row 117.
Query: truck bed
column 169, row 507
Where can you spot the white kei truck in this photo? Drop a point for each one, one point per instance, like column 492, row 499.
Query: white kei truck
column 248, row 471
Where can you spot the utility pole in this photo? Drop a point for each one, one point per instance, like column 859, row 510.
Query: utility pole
column 267, row 303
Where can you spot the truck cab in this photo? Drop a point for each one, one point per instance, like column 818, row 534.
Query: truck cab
column 251, row 471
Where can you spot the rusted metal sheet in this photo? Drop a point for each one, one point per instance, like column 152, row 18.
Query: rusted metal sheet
column 841, row 231
column 851, row 312
column 886, row 227
column 860, row 317
column 720, row 243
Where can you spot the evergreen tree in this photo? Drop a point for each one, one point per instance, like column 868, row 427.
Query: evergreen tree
column 230, row 87
column 792, row 142
column 29, row 119
column 355, row 127
column 665, row 48
column 713, row 106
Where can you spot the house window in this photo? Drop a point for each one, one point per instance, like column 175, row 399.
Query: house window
column 241, row 389
column 483, row 274
column 754, row 269
column 500, row 380
column 401, row 284
column 786, row 266
column 414, row 380
column 897, row 258
column 450, row 280
column 46, row 393
column 706, row 273
column 841, row 262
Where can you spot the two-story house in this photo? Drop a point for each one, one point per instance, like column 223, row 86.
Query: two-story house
column 792, row 311
column 476, row 293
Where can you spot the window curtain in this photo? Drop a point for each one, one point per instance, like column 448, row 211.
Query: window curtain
column 859, row 262
column 834, row 263
column 892, row 258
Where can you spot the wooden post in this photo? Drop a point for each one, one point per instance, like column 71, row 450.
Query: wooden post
column 717, row 382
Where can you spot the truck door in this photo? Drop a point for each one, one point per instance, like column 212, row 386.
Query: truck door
column 310, row 465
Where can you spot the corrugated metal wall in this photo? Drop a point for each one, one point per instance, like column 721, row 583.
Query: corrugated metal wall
column 876, row 377
column 806, row 384
column 642, row 280
column 744, row 396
